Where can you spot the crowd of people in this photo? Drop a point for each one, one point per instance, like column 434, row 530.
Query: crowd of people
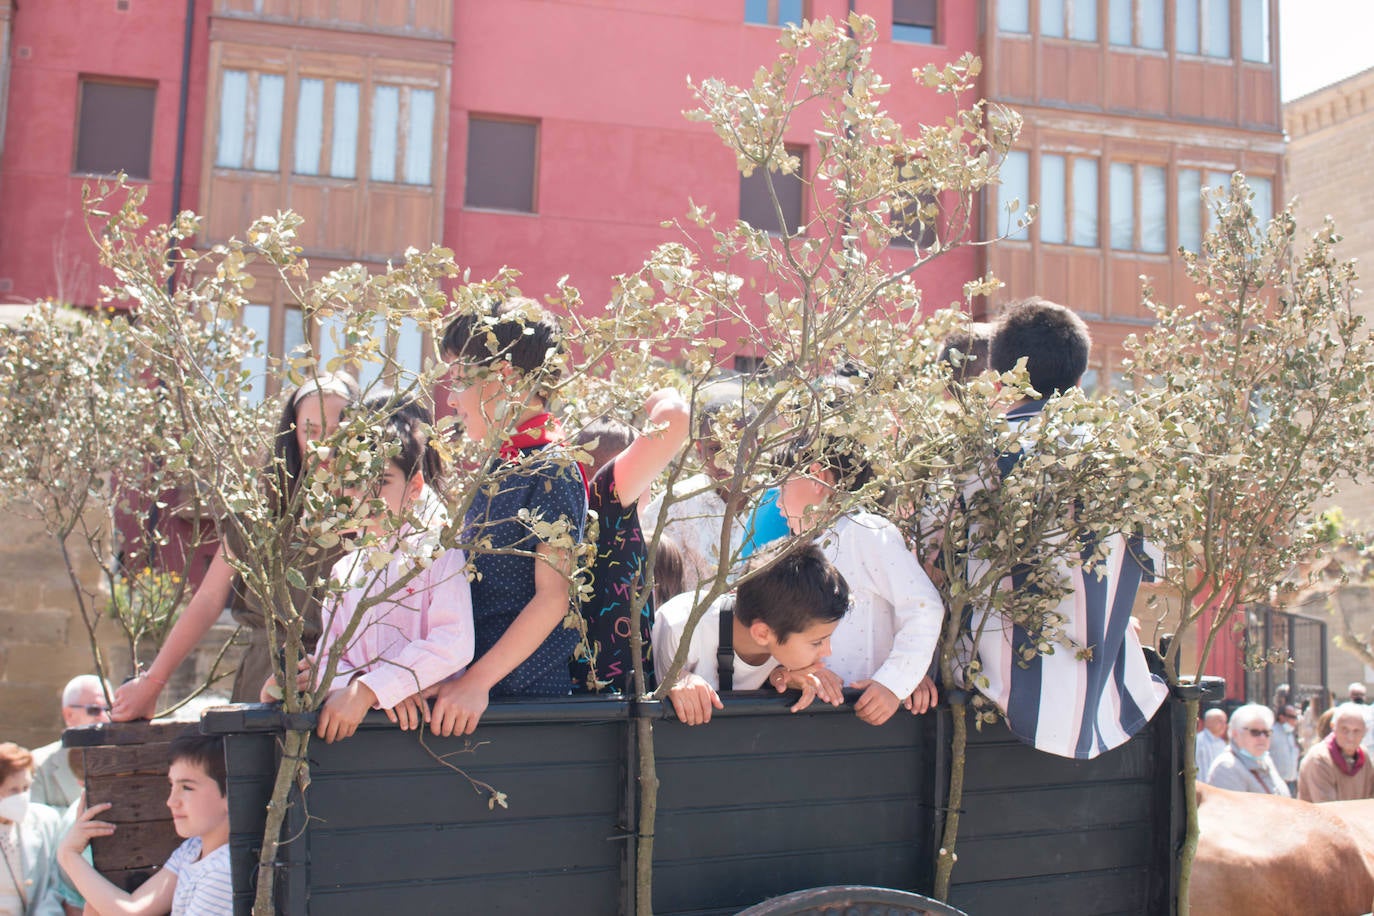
column 836, row 599
column 1278, row 750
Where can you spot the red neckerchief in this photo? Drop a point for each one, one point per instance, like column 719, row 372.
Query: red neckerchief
column 1338, row 755
column 539, row 430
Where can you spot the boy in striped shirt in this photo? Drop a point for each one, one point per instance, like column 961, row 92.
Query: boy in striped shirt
column 195, row 881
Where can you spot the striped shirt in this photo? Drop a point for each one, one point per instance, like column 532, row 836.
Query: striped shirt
column 203, row 887
column 1060, row 703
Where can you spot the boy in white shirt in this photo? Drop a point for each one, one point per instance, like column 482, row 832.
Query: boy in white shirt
column 196, row 879
column 885, row 644
column 777, row 625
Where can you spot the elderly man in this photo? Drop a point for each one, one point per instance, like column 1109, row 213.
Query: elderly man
column 1211, row 741
column 1245, row 764
column 1358, row 693
column 1338, row 768
column 55, row 781
column 1284, row 747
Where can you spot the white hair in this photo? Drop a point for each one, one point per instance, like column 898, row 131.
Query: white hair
column 1348, row 711
column 1249, row 713
column 71, row 694
column 1213, row 713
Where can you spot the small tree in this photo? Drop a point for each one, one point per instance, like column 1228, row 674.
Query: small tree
column 1262, row 388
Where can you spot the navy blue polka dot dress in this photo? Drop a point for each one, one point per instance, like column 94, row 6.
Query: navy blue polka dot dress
column 549, row 485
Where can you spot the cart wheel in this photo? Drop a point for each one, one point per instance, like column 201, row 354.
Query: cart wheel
column 851, row 901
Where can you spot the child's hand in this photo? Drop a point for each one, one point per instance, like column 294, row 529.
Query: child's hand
column 877, row 704
column 815, row 681
column 458, row 707
column 84, row 829
column 693, row 699
column 270, row 693
column 923, row 697
column 411, row 713
column 341, row 713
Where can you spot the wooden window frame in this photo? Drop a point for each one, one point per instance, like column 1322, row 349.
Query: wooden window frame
column 85, row 80
column 535, row 171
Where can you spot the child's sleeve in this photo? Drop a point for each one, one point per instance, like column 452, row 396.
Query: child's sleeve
column 669, row 623
column 916, row 608
column 447, row 643
column 559, row 493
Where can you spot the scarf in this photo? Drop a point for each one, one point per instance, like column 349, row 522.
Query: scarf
column 1258, row 767
column 538, row 431
column 1342, row 762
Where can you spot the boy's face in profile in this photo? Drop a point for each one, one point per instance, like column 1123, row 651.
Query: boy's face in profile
column 799, row 650
column 477, row 395
column 198, row 808
column 396, row 493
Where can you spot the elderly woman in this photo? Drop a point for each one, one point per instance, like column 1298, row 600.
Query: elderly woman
column 1245, row 765
column 28, row 841
column 1338, row 768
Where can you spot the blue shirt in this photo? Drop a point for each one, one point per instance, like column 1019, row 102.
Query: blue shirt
column 764, row 525
column 549, row 486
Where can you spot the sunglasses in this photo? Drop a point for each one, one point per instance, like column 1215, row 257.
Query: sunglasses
column 94, row 709
column 1258, row 732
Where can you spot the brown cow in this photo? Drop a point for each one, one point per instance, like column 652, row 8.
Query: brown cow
column 1258, row 854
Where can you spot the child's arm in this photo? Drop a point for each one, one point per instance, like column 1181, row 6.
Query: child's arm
column 639, row 464
column 447, row 645
column 138, row 698
column 343, row 710
column 153, row 897
column 693, row 699
column 815, row 681
column 460, row 703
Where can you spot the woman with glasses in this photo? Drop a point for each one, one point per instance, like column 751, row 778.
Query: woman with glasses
column 1245, row 765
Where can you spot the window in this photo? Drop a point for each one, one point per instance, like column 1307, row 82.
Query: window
column 258, row 319
column 1204, row 27
column 1137, row 23
column 250, row 121
column 327, row 112
column 1068, row 200
column 750, row 365
column 916, row 233
column 501, row 165
column 915, row 21
column 1013, row 16
column 774, row 12
column 1076, row 19
column 114, row 129
column 1263, row 202
column 1138, row 207
column 1254, row 30
column 1014, row 188
column 1194, row 214
column 756, row 204
column 402, row 141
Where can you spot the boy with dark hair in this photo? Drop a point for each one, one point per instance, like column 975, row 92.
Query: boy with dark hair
column 196, row 879
column 972, row 347
column 503, row 363
column 777, row 622
column 1073, row 704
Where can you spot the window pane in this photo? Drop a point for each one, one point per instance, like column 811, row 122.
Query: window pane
column 1015, row 186
column 1052, row 18
column 1187, row 27
column 309, row 127
column 409, row 350
column 916, row 34
column 293, row 334
column 1220, row 180
column 1119, row 25
column 1084, row 25
column 1122, row 178
column 914, row 20
column 756, row 204
column 1013, row 15
column 1254, row 30
column 1085, row 202
column 386, row 119
column 1153, row 209
column 1053, row 225
column 501, row 165
column 789, row 12
column 115, row 130
column 1190, row 209
column 343, row 153
column 1263, row 203
column 267, row 143
column 1151, row 23
column 420, row 136
column 233, row 115
column 258, row 319
column 756, row 11
column 1218, row 28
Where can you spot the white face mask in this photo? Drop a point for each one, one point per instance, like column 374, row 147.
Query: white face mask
column 14, row 807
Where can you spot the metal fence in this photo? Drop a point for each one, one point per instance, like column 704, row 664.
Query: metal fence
column 1288, row 649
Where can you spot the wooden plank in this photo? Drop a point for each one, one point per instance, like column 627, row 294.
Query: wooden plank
column 1067, row 809
column 136, row 798
column 124, row 733
column 575, row 893
column 142, row 845
column 114, row 760
column 1031, row 856
column 1084, row 894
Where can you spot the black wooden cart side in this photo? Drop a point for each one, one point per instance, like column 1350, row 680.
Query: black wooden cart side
column 759, row 803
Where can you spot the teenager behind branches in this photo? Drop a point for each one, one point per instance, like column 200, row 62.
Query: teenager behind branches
column 502, row 366
column 619, row 569
column 1062, row 703
column 310, row 415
